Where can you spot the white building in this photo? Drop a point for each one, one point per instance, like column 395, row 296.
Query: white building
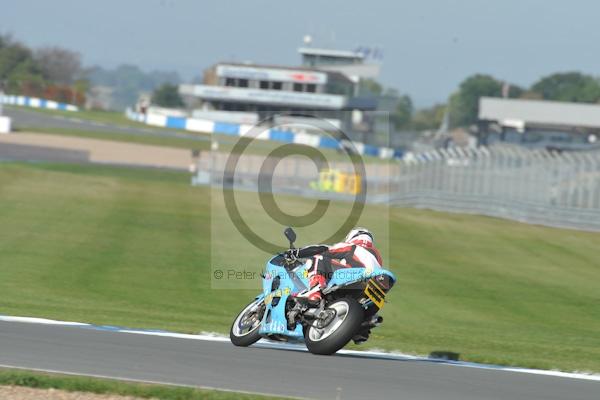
column 323, row 86
column 539, row 123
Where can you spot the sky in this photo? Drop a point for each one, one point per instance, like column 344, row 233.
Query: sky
column 429, row 46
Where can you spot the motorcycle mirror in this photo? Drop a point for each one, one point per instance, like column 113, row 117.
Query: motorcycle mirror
column 290, row 235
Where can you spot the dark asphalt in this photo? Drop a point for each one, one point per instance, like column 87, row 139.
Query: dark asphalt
column 19, row 152
column 281, row 372
column 23, row 118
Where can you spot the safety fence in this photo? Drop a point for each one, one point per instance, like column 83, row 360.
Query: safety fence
column 295, row 175
column 533, row 186
column 275, row 134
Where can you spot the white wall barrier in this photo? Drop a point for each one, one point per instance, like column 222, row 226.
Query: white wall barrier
column 4, row 124
column 233, row 129
column 35, row 102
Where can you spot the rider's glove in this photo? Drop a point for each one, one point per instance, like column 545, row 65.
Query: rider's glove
column 291, row 255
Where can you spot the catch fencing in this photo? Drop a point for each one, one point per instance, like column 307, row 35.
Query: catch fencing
column 533, row 186
column 297, row 176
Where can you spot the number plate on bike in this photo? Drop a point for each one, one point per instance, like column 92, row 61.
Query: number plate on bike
column 375, row 293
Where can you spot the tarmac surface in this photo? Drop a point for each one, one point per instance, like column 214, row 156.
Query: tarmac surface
column 23, row 118
column 107, row 352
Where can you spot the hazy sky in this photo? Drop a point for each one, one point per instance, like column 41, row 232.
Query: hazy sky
column 429, row 45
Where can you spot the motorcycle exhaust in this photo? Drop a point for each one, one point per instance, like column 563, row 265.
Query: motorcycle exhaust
column 373, row 322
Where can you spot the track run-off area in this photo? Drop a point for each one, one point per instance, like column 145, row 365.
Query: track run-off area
column 91, row 254
column 211, row 361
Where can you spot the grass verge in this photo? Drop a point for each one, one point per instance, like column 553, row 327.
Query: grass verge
column 39, row 380
column 134, row 248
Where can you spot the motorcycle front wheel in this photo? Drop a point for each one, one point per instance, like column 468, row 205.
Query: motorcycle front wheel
column 244, row 330
column 327, row 339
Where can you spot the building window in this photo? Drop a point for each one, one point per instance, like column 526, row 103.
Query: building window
column 242, row 82
column 276, row 85
column 229, row 82
column 264, row 84
column 298, row 87
column 311, row 87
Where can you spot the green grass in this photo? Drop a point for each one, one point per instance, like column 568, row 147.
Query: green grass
column 69, row 383
column 132, row 247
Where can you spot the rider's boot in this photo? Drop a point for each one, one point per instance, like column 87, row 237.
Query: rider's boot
column 313, row 295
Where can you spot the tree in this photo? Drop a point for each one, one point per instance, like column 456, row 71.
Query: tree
column 47, row 73
column 368, row 87
column 402, row 115
column 167, row 95
column 568, row 86
column 59, row 65
column 515, row 91
column 128, row 82
column 464, row 104
column 18, row 69
column 429, row 118
column 80, row 89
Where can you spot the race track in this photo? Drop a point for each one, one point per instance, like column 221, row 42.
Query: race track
column 24, row 119
column 146, row 356
column 264, row 368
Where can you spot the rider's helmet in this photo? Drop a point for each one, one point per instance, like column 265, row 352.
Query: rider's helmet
column 360, row 236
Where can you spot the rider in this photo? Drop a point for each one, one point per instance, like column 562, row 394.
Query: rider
column 356, row 251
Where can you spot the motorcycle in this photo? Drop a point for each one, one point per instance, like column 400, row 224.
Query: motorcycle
column 348, row 311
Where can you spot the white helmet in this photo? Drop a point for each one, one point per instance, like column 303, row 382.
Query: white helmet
column 360, row 236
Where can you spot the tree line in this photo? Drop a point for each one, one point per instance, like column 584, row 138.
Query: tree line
column 56, row 73
column 50, row 72
column 462, row 106
column 127, row 82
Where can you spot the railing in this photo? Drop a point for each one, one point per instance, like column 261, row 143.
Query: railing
column 533, row 186
column 542, row 187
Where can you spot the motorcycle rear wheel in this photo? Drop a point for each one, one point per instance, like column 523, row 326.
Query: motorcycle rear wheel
column 349, row 315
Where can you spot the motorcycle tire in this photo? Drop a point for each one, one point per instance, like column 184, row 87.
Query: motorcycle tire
column 335, row 335
column 242, row 339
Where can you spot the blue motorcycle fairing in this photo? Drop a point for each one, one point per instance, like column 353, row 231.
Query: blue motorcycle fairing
column 347, row 276
column 274, row 319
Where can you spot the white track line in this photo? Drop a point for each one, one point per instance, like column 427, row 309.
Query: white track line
column 44, row 321
column 216, row 337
